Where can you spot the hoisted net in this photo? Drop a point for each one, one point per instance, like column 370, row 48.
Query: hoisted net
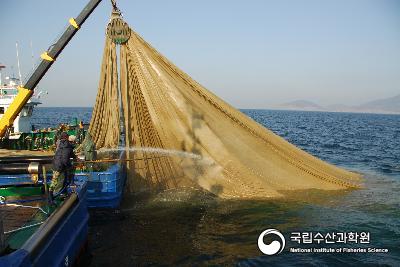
column 181, row 134
column 104, row 128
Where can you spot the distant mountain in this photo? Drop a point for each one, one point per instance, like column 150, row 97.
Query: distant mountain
column 301, row 105
column 389, row 105
column 386, row 105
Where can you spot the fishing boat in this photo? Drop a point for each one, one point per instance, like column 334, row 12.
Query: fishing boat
column 8, row 92
column 34, row 232
column 23, row 134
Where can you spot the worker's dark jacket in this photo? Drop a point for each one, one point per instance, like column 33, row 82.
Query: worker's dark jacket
column 63, row 155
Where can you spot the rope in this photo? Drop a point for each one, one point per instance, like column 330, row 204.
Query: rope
column 2, row 201
column 24, row 206
column 23, row 228
column 13, row 204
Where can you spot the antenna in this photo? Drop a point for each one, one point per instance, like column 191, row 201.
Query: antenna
column 33, row 63
column 19, row 68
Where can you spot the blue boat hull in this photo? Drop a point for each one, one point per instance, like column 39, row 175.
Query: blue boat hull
column 59, row 241
column 105, row 189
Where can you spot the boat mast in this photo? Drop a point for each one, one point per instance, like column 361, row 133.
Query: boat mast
column 1, row 73
column 19, row 68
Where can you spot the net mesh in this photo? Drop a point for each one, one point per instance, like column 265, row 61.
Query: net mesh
column 104, row 126
column 178, row 133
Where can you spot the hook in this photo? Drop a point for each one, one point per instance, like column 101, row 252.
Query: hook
column 114, row 5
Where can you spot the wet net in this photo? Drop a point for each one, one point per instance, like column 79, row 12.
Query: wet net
column 178, row 133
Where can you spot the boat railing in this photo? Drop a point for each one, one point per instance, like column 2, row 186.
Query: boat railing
column 7, row 96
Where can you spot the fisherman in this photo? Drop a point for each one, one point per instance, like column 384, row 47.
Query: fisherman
column 89, row 151
column 62, row 165
column 81, row 132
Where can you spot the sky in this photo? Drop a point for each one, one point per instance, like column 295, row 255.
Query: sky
column 253, row 54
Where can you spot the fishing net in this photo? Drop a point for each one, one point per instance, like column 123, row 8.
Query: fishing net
column 104, row 126
column 178, row 133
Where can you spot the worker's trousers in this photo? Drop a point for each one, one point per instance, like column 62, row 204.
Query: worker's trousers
column 60, row 178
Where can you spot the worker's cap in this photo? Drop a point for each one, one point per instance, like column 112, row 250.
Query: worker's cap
column 64, row 135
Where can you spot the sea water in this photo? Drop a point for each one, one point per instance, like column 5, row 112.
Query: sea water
column 194, row 228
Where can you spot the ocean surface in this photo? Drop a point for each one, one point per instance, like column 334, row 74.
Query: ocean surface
column 195, row 229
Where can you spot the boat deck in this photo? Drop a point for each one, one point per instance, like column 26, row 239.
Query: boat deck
column 21, row 218
column 16, row 215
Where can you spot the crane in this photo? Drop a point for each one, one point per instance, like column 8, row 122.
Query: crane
column 26, row 90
